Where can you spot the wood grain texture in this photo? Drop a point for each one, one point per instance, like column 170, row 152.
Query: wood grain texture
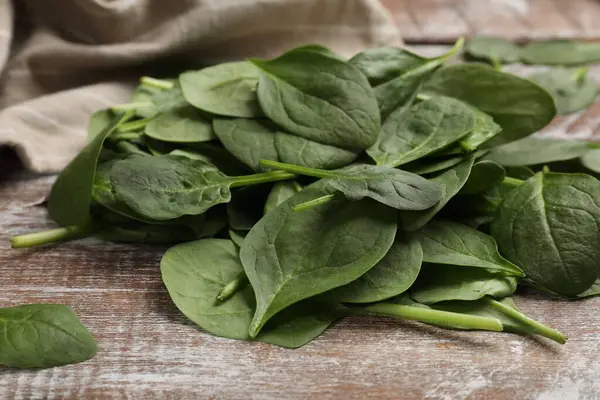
column 443, row 21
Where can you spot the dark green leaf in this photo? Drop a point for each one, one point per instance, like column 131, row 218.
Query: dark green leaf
column 423, row 129
column 43, row 336
column 550, row 227
column 181, row 125
column 319, row 98
column 280, row 192
column 316, row 250
column 227, row 89
column 518, row 105
column 573, row 89
column 382, row 64
column 484, row 175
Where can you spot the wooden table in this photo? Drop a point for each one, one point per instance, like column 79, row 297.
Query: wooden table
column 149, row 351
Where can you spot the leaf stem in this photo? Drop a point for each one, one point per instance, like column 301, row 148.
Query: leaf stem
column 156, row 83
column 313, row 203
column 496, row 63
column 512, row 182
column 234, row 286
column 51, row 236
column 536, row 326
column 257, row 179
column 429, row 316
column 133, row 125
column 297, row 169
column 129, row 106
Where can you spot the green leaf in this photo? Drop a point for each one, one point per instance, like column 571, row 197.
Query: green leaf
column 169, row 187
column 438, row 283
column 195, row 272
column 493, row 48
column 446, row 242
column 319, row 98
column 452, row 181
column 382, row 64
column 423, row 129
column 572, row 89
column 98, row 123
column 43, row 336
column 316, row 250
column 591, row 160
column 71, row 196
column 237, row 237
column 484, row 175
column 227, row 89
column 252, row 140
column 561, row 52
column 534, row 150
column 181, row 125
column 485, row 129
column 391, row 276
column 212, row 154
column 280, row 192
column 393, row 187
column 550, row 227
column 151, row 234
column 518, row 105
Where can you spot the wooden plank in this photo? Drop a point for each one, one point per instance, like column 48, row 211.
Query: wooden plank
column 443, row 21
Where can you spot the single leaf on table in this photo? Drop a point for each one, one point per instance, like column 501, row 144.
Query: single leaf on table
column 561, row 52
column 493, row 49
column 556, row 218
column 316, row 250
column 518, row 105
column 534, row 150
column 43, row 336
column 484, row 175
column 438, row 282
column 391, row 276
column 252, row 140
column 195, row 272
column 393, row 187
column 452, row 181
column 168, row 187
column 227, row 89
column 446, row 242
column 319, row 98
column 421, row 130
column 71, row 196
column 246, row 207
column 181, row 125
column 280, row 192
column 504, row 311
column 573, row 89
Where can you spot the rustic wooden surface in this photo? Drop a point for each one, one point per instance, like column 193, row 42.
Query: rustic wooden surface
column 149, row 351
column 442, row 21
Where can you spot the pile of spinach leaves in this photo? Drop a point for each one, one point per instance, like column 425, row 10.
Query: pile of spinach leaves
column 307, row 188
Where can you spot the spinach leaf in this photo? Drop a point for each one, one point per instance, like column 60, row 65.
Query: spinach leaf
column 227, row 89
column 144, row 233
column 593, row 290
column 195, row 272
column 43, row 336
column 319, row 98
column 556, row 218
column 591, row 160
column 518, row 105
column 212, row 154
column 280, row 192
column 316, row 250
column 484, row 175
column 71, row 196
column 237, row 237
column 534, row 150
column 383, row 64
column 560, row 52
column 169, row 187
column 423, row 129
column 452, row 181
column 246, row 207
column 438, row 283
column 391, row 276
column 493, row 49
column 573, row 90
column 181, row 125
column 252, row 140
column 98, row 123
column 446, row 242
column 504, row 311
column 393, row 187
column 485, row 129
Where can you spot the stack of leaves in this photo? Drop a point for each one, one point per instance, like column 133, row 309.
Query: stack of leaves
column 307, row 188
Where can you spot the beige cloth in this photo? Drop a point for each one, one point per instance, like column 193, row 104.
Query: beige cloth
column 61, row 60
